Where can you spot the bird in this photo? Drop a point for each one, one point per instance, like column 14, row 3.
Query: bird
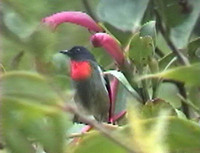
column 92, row 89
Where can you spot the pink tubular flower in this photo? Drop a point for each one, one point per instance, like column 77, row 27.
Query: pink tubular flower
column 109, row 44
column 114, row 87
column 118, row 116
column 75, row 17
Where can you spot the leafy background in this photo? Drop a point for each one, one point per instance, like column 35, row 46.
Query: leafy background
column 161, row 40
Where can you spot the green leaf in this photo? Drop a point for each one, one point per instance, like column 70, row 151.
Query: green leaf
column 121, row 35
column 121, row 99
column 59, row 63
column 42, row 123
column 164, row 62
column 153, row 65
column 124, row 15
column 180, row 114
column 16, row 24
column 125, row 82
column 179, row 18
column 162, row 45
column 149, row 140
column 141, row 49
column 30, row 86
column 102, row 56
column 187, row 74
column 96, row 143
column 180, row 132
column 30, row 106
column 194, row 96
column 194, row 50
column 149, row 29
column 63, row 83
column 17, row 142
column 177, row 133
column 169, row 92
column 153, row 108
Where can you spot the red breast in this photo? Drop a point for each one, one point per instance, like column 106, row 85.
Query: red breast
column 80, row 70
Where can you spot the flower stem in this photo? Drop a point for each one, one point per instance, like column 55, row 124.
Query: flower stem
column 100, row 128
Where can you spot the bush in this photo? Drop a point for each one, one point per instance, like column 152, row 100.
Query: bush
column 149, row 50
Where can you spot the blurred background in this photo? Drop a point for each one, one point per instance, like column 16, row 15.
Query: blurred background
column 31, row 99
column 26, row 44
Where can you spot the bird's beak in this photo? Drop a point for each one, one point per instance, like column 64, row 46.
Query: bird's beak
column 64, row 52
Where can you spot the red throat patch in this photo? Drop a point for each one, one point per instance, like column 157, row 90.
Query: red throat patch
column 80, row 70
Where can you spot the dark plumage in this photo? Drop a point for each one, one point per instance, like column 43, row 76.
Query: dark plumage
column 79, row 53
column 92, row 93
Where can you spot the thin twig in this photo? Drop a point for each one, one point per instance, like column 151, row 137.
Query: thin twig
column 2, row 69
column 107, row 126
column 75, row 135
column 170, row 63
column 189, row 103
column 99, row 127
column 182, row 92
column 159, row 52
column 182, row 59
column 87, row 6
column 1, row 146
column 144, row 89
column 16, row 60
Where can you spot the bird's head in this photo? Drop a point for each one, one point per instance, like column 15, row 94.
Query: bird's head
column 78, row 53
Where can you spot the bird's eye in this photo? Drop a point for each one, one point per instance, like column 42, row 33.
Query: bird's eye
column 78, row 49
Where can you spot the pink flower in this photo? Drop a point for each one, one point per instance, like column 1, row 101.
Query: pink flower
column 110, row 45
column 118, row 116
column 114, row 88
column 75, row 17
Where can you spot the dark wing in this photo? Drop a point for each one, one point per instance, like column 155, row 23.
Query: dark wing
column 110, row 95
column 107, row 84
column 108, row 87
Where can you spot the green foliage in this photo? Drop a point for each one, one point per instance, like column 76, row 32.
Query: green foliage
column 141, row 49
column 124, row 81
column 28, row 86
column 187, row 74
column 158, row 90
column 124, row 15
column 166, row 61
column 149, row 29
column 180, row 132
column 193, row 50
column 152, row 109
column 180, row 18
column 94, row 139
column 30, row 109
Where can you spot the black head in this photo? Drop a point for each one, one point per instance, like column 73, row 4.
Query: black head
column 78, row 53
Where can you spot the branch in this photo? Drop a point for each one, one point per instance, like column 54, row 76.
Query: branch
column 183, row 94
column 182, row 59
column 189, row 103
column 159, row 52
column 99, row 127
column 75, row 135
column 87, row 6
